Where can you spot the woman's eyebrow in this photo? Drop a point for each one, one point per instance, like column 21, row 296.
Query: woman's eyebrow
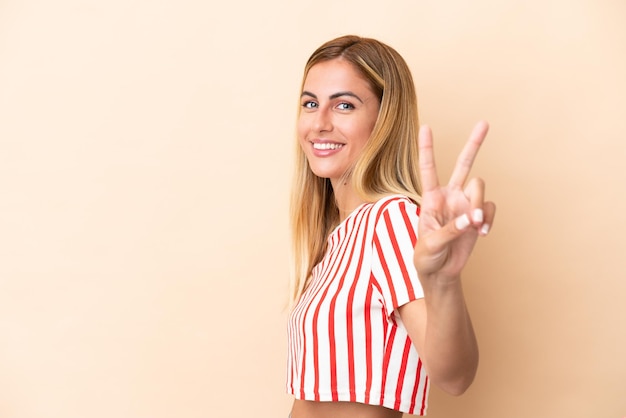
column 334, row 95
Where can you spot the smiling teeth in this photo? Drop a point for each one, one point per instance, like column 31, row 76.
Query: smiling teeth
column 327, row 146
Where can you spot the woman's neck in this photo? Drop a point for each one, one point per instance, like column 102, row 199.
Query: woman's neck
column 346, row 198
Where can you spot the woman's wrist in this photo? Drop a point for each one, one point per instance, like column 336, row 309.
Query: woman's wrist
column 440, row 282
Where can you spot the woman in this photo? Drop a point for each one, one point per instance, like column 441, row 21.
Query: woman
column 378, row 314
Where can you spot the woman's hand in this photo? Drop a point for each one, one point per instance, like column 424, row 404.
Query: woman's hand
column 452, row 216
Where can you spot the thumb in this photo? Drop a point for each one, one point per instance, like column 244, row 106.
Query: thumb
column 438, row 240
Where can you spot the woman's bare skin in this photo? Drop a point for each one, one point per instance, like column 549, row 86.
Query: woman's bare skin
column 311, row 409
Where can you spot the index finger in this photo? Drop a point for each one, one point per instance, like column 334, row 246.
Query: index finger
column 427, row 168
column 466, row 158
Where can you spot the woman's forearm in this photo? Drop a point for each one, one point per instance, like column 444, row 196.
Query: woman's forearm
column 445, row 340
column 450, row 343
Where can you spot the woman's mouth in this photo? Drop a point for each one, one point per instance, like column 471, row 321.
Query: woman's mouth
column 326, row 146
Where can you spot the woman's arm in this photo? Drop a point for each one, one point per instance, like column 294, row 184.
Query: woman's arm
column 451, row 220
column 441, row 329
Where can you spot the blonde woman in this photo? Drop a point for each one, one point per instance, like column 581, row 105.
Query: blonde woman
column 378, row 308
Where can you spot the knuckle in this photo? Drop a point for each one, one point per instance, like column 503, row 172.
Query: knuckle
column 478, row 182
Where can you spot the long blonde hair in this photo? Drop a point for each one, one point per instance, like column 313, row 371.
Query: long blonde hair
column 387, row 165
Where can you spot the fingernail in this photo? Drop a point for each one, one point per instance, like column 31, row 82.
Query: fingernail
column 484, row 229
column 462, row 222
column 477, row 215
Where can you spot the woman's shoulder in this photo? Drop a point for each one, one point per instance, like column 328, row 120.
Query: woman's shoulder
column 395, row 218
column 392, row 207
column 395, row 201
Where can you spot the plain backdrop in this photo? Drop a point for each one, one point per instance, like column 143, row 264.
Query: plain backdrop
column 145, row 161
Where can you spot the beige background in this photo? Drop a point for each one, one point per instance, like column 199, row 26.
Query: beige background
column 145, row 156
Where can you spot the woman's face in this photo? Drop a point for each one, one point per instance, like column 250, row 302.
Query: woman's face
column 339, row 110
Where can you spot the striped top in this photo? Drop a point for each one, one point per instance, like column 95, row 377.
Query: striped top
column 346, row 343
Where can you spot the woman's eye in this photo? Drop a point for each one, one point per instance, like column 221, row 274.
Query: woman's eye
column 345, row 106
column 309, row 104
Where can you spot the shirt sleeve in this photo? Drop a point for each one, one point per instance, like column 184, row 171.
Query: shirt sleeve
column 394, row 240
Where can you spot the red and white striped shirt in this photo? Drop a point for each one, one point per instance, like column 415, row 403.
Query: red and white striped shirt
column 346, row 343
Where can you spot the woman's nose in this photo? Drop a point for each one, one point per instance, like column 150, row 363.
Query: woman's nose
column 323, row 121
